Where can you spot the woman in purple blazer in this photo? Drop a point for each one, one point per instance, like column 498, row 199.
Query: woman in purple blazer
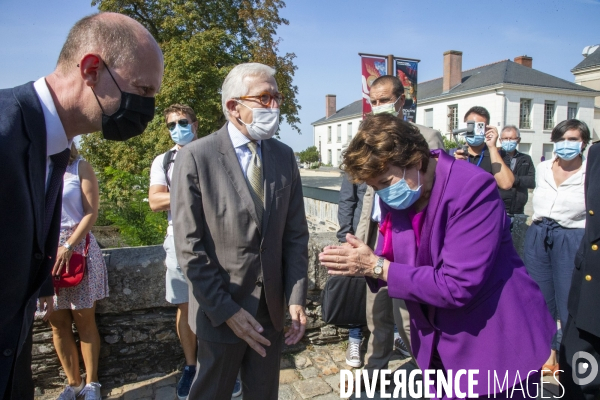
column 445, row 248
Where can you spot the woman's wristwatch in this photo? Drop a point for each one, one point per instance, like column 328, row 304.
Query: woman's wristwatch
column 378, row 270
column 67, row 246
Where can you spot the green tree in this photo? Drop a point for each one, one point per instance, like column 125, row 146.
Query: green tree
column 450, row 143
column 201, row 41
column 310, row 155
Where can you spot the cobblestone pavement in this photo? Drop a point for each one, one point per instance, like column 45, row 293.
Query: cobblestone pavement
column 313, row 373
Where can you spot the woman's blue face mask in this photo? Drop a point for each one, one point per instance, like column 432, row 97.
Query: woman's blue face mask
column 400, row 196
column 567, row 150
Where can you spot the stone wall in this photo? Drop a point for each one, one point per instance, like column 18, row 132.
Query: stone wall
column 137, row 326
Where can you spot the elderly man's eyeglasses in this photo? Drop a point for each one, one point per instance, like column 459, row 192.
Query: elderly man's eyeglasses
column 264, row 98
column 182, row 123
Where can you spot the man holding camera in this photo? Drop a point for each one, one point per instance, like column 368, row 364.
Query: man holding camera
column 482, row 150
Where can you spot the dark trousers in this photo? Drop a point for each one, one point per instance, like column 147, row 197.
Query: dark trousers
column 219, row 363
column 20, row 382
column 574, row 341
column 549, row 256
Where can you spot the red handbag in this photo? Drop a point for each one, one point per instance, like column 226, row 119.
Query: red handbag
column 77, row 266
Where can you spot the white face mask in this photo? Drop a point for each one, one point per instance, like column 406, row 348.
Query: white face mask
column 389, row 108
column 265, row 122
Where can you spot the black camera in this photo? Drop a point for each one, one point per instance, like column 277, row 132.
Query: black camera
column 469, row 131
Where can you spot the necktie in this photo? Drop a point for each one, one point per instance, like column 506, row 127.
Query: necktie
column 60, row 161
column 255, row 178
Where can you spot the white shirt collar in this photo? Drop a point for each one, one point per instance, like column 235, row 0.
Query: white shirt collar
column 237, row 137
column 56, row 138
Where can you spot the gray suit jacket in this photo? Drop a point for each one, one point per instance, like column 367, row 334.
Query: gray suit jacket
column 367, row 229
column 227, row 257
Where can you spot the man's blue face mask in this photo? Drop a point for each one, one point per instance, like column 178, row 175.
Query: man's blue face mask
column 475, row 140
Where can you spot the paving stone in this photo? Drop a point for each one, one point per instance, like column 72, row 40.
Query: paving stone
column 343, row 365
column 333, row 381
column 302, row 361
column 286, row 392
column 168, row 380
column 311, row 387
column 165, row 393
column 324, row 363
column 309, row 372
column 137, row 391
column 338, row 355
column 287, row 376
column 329, row 396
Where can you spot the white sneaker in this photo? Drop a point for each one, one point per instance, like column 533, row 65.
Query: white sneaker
column 91, row 391
column 67, row 394
column 353, row 354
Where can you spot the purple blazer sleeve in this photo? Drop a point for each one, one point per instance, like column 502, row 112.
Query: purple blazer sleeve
column 469, row 226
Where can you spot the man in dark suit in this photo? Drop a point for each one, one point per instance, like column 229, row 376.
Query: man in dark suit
column 580, row 348
column 241, row 238
column 106, row 77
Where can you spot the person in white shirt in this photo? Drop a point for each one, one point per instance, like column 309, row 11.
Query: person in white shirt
column 182, row 125
column 558, row 222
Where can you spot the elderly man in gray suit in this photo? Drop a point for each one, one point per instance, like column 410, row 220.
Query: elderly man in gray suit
column 242, row 240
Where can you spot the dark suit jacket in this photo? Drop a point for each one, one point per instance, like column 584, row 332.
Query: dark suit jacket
column 584, row 297
column 225, row 254
column 349, row 207
column 27, row 257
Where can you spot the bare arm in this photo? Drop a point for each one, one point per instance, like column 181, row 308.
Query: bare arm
column 89, row 201
column 159, row 198
column 503, row 175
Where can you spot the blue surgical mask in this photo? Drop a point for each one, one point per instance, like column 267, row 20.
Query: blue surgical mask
column 509, row 145
column 400, row 196
column 182, row 135
column 567, row 150
column 475, row 140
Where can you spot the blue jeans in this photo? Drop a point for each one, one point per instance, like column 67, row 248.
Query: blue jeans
column 355, row 332
column 549, row 257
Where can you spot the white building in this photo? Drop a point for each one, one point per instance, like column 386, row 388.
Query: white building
column 332, row 133
column 587, row 73
column 513, row 93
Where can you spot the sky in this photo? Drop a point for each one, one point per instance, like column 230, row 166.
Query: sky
column 327, row 35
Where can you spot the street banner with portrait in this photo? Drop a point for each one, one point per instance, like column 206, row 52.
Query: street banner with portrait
column 406, row 71
column 372, row 68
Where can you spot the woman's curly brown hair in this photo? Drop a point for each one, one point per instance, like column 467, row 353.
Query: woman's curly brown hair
column 383, row 140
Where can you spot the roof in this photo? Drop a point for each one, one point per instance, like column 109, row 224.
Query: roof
column 501, row 72
column 505, row 71
column 351, row 110
column 592, row 60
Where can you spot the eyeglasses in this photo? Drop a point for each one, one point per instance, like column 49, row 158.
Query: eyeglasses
column 264, row 98
column 182, row 123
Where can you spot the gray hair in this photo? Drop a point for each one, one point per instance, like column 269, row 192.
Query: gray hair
column 115, row 37
column 511, row 127
column 234, row 85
